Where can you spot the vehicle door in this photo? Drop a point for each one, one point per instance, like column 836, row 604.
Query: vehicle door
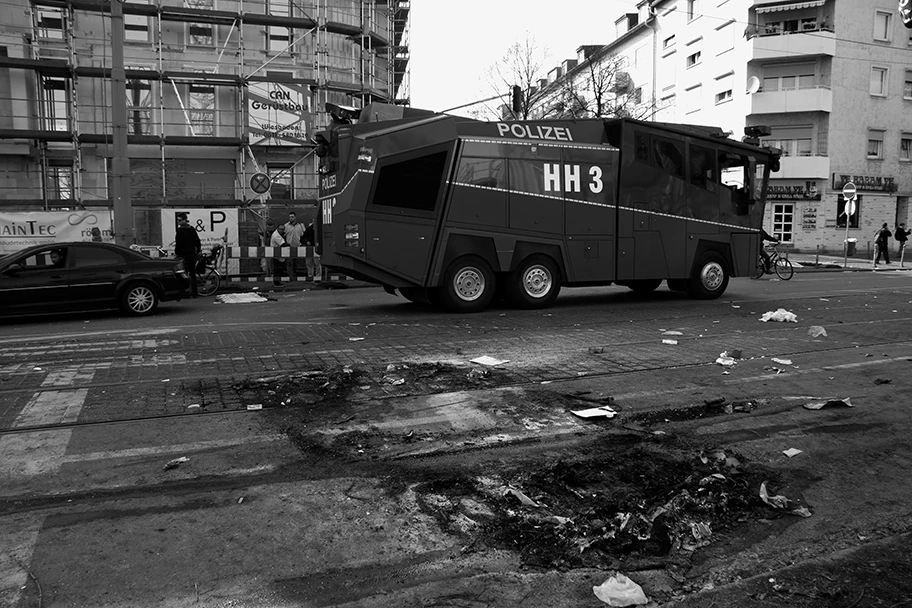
column 95, row 273
column 34, row 282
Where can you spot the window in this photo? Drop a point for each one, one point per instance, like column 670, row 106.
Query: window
column 692, row 99
column 905, row 147
column 59, row 182
column 136, row 27
column 725, row 36
column 668, row 156
column 789, row 77
column 907, row 85
column 723, row 96
column 724, row 86
column 693, row 9
column 840, row 212
column 202, row 109
column 200, row 34
column 51, row 23
column 424, row 175
column 637, row 95
column 487, row 172
column 793, row 141
column 703, row 167
column 784, row 221
column 278, row 38
column 875, row 143
column 282, row 176
column 139, row 105
column 94, row 256
column 693, row 59
column 56, row 104
column 883, row 25
column 668, row 42
column 879, row 82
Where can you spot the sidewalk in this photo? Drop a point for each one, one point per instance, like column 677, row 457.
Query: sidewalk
column 805, row 262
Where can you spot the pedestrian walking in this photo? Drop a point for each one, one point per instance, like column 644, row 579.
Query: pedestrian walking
column 314, row 267
column 294, row 232
column 277, row 240
column 881, row 242
column 187, row 246
column 901, row 236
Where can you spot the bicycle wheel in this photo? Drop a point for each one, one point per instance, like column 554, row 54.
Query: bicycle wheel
column 784, row 269
column 208, row 282
column 758, row 269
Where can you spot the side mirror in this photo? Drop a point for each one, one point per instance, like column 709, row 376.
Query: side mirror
column 13, row 269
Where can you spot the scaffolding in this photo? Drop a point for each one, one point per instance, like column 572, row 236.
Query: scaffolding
column 216, row 90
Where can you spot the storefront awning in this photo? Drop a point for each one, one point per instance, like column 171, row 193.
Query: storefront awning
column 791, row 6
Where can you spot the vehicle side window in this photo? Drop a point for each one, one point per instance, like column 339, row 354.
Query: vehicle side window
column 46, row 259
column 641, row 146
column 703, row 167
column 490, row 172
column 95, row 256
column 668, row 156
column 411, row 184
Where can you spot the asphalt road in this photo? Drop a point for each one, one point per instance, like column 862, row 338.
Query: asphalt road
column 288, row 498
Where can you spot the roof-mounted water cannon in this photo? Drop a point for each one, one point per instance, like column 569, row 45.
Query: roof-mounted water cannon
column 321, row 145
column 343, row 115
column 753, row 134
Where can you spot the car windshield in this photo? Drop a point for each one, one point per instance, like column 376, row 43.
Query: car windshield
column 6, row 258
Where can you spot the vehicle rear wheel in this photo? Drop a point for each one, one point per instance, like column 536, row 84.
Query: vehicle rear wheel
column 468, row 285
column 139, row 299
column 535, row 283
column 644, row 285
column 710, row 277
column 208, row 282
column 784, row 269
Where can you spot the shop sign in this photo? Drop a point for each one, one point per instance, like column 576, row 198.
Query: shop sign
column 809, row 217
column 277, row 113
column 783, row 191
column 21, row 229
column 870, row 183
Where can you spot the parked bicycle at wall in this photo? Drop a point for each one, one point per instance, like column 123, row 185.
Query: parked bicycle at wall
column 778, row 264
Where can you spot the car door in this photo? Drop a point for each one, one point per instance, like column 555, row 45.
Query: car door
column 34, row 282
column 95, row 273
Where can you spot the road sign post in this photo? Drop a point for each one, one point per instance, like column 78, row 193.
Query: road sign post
column 848, row 193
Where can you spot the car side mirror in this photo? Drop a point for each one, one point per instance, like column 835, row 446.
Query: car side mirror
column 13, row 269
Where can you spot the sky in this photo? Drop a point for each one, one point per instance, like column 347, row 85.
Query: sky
column 453, row 44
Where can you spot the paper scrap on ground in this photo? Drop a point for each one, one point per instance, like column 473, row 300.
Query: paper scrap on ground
column 240, row 298
column 255, row 406
column 486, row 360
column 522, row 497
column 667, row 341
column 792, row 452
column 595, row 412
column 355, row 339
column 816, row 405
column 724, row 359
column 816, row 331
column 781, row 502
column 781, row 315
column 172, row 464
column 782, row 361
column 672, row 332
column 620, row 591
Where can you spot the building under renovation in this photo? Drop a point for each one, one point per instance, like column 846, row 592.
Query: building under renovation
column 217, row 90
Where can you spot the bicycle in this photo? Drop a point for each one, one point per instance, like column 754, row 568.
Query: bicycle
column 208, row 278
column 778, row 264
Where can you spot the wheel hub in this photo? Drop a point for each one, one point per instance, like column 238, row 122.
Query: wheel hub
column 537, row 281
column 712, row 276
column 140, row 300
column 469, row 284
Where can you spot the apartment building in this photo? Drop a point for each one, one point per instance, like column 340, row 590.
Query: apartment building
column 217, row 90
column 832, row 80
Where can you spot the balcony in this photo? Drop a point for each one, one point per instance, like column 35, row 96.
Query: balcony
column 804, row 167
column 814, row 99
column 794, row 44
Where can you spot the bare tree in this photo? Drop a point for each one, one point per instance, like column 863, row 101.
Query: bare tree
column 522, row 65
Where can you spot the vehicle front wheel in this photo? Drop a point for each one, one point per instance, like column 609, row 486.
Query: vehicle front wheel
column 139, row 299
column 535, row 283
column 468, row 285
column 710, row 277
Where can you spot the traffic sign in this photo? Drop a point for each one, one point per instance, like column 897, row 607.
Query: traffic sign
column 848, row 191
column 850, row 208
column 260, row 183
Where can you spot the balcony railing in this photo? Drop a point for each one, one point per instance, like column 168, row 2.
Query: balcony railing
column 813, row 99
column 818, row 41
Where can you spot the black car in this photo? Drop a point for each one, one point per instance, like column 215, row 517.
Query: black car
column 65, row 277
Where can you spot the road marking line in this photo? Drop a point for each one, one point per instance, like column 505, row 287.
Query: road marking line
column 197, row 446
column 52, row 407
column 68, row 376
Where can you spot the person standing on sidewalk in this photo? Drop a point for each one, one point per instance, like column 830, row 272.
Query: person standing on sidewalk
column 187, row 246
column 276, row 263
column 901, row 236
column 293, row 234
column 314, row 267
column 881, row 242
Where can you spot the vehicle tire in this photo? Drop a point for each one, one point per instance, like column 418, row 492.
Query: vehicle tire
column 784, row 269
column 469, row 285
column 535, row 283
column 710, row 277
column 208, row 282
column 139, row 299
column 644, row 285
column 758, row 268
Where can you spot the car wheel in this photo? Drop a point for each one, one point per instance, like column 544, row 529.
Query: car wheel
column 710, row 277
column 468, row 285
column 139, row 299
column 535, row 283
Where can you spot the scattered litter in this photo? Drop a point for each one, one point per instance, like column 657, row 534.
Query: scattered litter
column 781, row 315
column 557, row 519
column 173, row 464
column 37, row 369
column 167, row 380
column 620, row 591
column 240, row 298
column 254, row 406
column 816, row 331
column 781, row 502
column 667, row 341
column 824, row 299
column 735, row 306
column 547, row 381
column 595, row 412
column 816, row 405
column 240, row 500
column 393, row 381
column 882, row 381
column 194, row 407
column 596, row 350
column 781, row 361
column 486, row 360
column 736, row 353
column 355, row 339
column 792, row 452
column 716, row 401
column 522, row 497
column 672, row 332
column 724, row 359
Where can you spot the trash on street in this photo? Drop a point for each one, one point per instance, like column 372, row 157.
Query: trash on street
column 792, row 452
column 619, row 590
column 595, row 412
column 781, row 315
column 355, row 339
column 816, row 405
column 816, row 331
column 521, row 497
column 254, row 406
column 724, row 359
column 240, row 298
column 173, row 464
column 782, row 361
column 668, row 341
column 486, row 360
column 672, row 332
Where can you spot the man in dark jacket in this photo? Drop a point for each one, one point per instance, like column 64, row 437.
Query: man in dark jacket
column 187, row 246
column 901, row 235
column 881, row 242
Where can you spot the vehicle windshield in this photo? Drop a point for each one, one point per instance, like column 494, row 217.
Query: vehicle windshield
column 6, row 258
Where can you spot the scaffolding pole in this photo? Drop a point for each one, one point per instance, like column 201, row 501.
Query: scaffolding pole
column 120, row 163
